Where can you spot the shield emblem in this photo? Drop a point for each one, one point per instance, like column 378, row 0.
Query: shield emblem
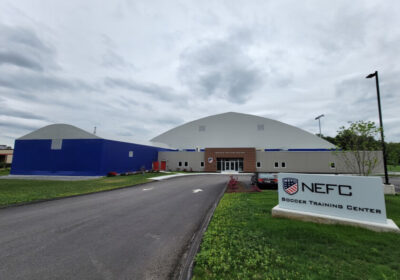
column 290, row 185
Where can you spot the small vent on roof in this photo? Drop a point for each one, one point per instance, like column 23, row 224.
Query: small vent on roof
column 202, row 128
column 260, row 127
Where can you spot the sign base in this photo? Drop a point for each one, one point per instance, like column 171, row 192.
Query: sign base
column 389, row 189
column 390, row 226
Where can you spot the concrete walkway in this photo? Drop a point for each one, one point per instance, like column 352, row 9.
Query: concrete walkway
column 160, row 178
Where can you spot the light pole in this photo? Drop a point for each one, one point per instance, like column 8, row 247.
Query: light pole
column 381, row 124
column 319, row 122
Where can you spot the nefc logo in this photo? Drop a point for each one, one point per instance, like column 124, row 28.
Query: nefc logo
column 290, row 185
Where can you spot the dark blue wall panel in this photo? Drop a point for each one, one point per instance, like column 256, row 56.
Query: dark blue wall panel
column 80, row 157
column 77, row 157
column 116, row 156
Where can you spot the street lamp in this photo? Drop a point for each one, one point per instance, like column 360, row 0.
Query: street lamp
column 380, row 122
column 319, row 122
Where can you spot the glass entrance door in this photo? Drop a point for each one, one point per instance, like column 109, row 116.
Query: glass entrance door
column 227, row 165
column 230, row 164
column 233, row 165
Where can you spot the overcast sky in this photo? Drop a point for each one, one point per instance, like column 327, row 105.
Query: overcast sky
column 135, row 69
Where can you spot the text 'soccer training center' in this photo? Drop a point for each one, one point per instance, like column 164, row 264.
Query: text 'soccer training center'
column 224, row 142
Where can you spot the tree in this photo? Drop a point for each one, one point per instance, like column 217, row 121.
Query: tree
column 357, row 143
column 330, row 139
column 393, row 153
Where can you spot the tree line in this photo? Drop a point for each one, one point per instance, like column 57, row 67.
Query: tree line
column 364, row 135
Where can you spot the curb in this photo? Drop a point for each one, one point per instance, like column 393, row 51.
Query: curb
column 70, row 196
column 187, row 260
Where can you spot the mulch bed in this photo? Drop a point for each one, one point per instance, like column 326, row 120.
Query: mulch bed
column 242, row 187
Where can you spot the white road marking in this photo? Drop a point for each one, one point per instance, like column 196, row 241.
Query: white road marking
column 197, row 190
column 148, row 189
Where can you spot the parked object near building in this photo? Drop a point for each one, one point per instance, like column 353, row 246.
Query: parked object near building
column 265, row 180
column 62, row 149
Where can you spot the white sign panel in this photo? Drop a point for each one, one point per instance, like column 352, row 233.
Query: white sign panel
column 351, row 197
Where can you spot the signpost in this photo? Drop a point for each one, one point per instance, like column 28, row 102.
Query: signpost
column 354, row 200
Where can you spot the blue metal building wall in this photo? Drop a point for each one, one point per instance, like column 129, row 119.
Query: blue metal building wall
column 116, row 156
column 80, row 157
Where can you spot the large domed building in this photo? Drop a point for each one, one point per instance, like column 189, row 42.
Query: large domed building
column 245, row 143
column 233, row 130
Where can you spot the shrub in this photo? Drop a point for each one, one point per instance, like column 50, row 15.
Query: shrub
column 112, row 174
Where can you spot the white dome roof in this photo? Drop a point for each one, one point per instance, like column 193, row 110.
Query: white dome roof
column 240, row 130
column 59, row 131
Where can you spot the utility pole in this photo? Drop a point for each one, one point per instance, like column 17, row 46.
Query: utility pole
column 319, row 122
column 375, row 74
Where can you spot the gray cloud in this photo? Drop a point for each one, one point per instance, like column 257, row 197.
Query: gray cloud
column 345, row 31
column 19, row 114
column 114, row 60
column 284, row 60
column 23, row 36
column 163, row 93
column 221, row 68
column 12, row 126
column 19, row 60
column 357, row 98
column 30, row 81
column 111, row 58
column 169, row 120
column 23, row 48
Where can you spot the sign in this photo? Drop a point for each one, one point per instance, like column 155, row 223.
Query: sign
column 210, row 160
column 351, row 197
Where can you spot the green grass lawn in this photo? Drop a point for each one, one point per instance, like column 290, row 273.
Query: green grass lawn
column 393, row 168
column 243, row 241
column 14, row 191
column 4, row 171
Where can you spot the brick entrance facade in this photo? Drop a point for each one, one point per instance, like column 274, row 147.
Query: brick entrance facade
column 247, row 154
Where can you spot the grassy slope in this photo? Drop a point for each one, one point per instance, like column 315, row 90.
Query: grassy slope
column 394, row 168
column 4, row 171
column 244, row 242
column 17, row 191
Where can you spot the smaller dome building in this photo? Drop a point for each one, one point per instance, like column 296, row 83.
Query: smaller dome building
column 62, row 149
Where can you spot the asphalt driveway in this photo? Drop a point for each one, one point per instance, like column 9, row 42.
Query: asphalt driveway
column 133, row 233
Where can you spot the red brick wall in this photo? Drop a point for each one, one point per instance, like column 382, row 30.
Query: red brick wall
column 248, row 155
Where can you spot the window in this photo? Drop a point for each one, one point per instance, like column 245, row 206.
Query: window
column 276, row 164
column 202, row 164
column 186, row 164
column 56, row 144
column 333, row 165
column 258, row 164
column 180, row 163
column 260, row 127
column 130, row 153
column 283, row 164
column 202, row 128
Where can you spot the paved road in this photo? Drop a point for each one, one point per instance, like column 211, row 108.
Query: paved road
column 133, row 233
